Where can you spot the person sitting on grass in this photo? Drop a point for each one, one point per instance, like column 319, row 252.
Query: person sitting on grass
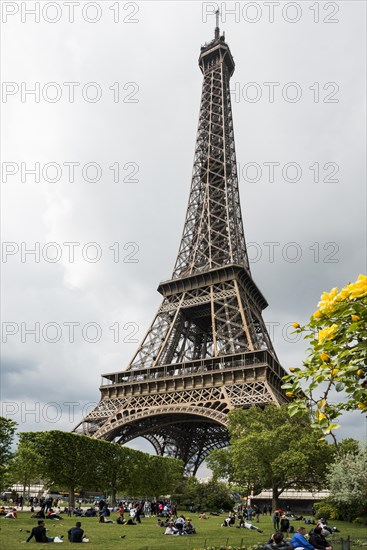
column 203, row 516
column 171, row 530
column 39, row 533
column 179, row 523
column 76, row 534
column 325, row 529
column 318, row 540
column 299, row 540
column 51, row 514
column 277, row 542
column 12, row 514
column 228, row 522
column 121, row 520
column 188, row 529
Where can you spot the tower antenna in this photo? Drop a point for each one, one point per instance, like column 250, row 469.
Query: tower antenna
column 217, row 30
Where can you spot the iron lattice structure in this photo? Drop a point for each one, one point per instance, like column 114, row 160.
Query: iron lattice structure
column 207, row 350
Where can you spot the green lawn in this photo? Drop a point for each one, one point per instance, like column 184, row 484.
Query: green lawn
column 148, row 536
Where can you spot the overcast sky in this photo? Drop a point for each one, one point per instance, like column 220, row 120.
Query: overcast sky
column 298, row 101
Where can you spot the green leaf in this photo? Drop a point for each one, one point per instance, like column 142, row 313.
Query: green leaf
column 332, row 427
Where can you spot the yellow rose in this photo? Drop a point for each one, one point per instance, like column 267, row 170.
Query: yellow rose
column 291, row 369
column 355, row 318
column 289, row 393
column 344, row 293
column 359, row 288
column 317, row 314
column 327, row 333
column 334, row 372
column 362, row 406
column 354, row 290
column 328, row 299
column 296, row 325
column 321, row 416
column 360, row 373
column 324, row 356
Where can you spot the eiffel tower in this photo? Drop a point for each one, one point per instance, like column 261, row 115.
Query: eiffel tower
column 207, row 350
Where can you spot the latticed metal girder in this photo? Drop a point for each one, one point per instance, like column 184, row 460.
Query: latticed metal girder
column 206, row 321
column 213, row 234
column 186, row 421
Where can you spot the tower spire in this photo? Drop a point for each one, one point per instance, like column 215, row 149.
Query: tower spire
column 217, row 30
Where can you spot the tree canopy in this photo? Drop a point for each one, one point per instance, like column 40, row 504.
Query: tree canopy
column 271, row 450
column 73, row 461
column 196, row 496
column 7, row 433
column 24, row 466
column 68, row 460
column 347, row 481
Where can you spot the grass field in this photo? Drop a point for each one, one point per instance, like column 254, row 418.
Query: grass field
column 148, row 536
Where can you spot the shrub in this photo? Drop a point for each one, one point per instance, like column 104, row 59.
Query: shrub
column 327, row 510
column 362, row 520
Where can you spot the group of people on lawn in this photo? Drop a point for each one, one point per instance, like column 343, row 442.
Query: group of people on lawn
column 181, row 525
column 316, row 539
column 75, row 534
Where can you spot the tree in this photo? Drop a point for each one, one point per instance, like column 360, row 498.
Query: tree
column 7, row 432
column 113, row 468
column 24, row 467
column 220, row 463
column 337, row 358
column 347, row 481
column 73, row 461
column 67, row 460
column 139, row 475
column 163, row 475
column 348, row 446
column 195, row 496
column 271, row 450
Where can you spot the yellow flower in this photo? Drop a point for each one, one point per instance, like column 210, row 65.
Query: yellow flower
column 362, row 406
column 321, row 416
column 360, row 373
column 324, row 356
column 328, row 299
column 334, row 372
column 359, row 288
column 317, row 314
column 289, row 393
column 355, row 318
column 344, row 293
column 296, row 325
column 291, row 369
column 354, row 290
column 327, row 333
